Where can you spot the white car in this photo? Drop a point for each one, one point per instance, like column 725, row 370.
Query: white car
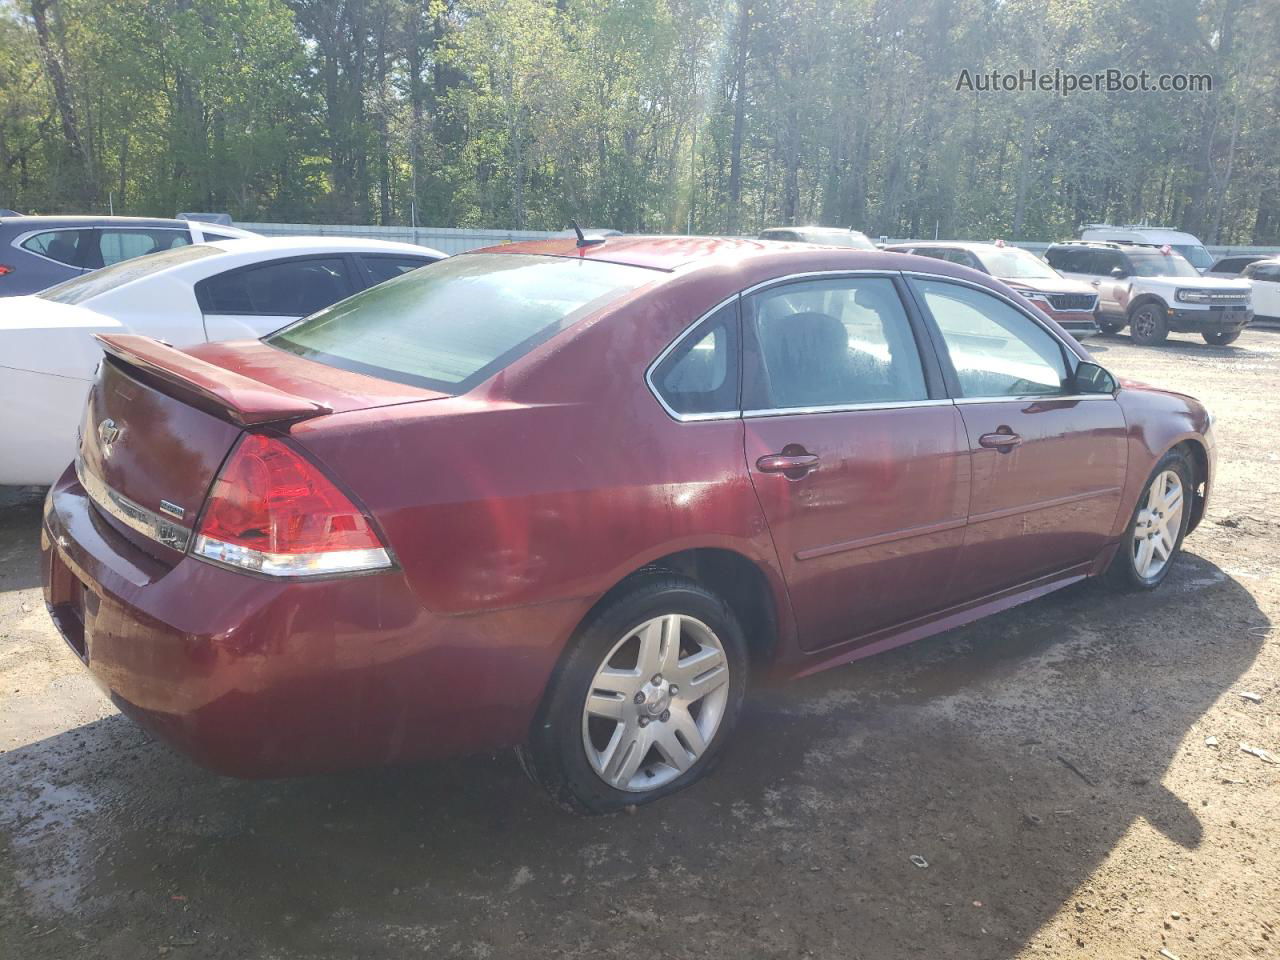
column 1264, row 278
column 184, row 296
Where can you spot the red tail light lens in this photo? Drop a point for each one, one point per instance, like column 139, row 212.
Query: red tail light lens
column 273, row 511
column 5, row 269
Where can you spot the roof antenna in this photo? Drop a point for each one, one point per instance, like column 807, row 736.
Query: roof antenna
column 583, row 239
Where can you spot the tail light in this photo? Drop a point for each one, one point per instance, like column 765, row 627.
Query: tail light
column 273, row 511
column 5, row 269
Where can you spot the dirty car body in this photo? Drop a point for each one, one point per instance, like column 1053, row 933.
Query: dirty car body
column 840, row 503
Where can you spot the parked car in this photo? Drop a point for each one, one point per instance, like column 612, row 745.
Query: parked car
column 1264, row 277
column 1154, row 291
column 831, row 236
column 1186, row 244
column 1232, row 266
column 187, row 295
column 569, row 498
column 37, row 252
column 1070, row 302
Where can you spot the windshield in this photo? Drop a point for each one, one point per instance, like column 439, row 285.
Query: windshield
column 1013, row 263
column 453, row 324
column 1161, row 265
column 81, row 288
column 838, row 238
column 1197, row 255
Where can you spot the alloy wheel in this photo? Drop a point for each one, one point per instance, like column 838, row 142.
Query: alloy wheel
column 655, row 703
column 1155, row 533
column 1144, row 324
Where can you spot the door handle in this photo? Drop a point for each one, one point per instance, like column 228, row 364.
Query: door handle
column 1096, row 282
column 794, row 466
column 1004, row 442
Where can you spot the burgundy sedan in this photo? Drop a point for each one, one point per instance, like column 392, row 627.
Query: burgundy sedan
column 569, row 498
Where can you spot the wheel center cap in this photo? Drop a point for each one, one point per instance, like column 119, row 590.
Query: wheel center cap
column 657, row 699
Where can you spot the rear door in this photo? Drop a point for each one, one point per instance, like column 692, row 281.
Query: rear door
column 1048, row 464
column 860, row 463
column 255, row 300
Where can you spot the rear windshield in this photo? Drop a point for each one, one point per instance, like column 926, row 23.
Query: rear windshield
column 80, row 289
column 457, row 322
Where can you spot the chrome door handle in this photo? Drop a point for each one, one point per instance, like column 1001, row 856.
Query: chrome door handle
column 799, row 464
column 1004, row 442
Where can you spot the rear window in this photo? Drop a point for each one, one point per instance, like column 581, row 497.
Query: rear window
column 455, row 323
column 101, row 281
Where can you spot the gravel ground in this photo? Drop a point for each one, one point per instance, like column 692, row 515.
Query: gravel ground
column 1070, row 771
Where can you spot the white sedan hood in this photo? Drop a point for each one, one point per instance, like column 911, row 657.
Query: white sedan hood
column 55, row 338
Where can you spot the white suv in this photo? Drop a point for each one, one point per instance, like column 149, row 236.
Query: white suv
column 1154, row 291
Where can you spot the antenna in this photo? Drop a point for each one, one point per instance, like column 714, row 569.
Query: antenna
column 583, row 239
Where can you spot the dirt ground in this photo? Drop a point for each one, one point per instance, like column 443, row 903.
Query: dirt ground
column 1071, row 772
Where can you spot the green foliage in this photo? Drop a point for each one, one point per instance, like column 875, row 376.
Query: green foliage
column 645, row 115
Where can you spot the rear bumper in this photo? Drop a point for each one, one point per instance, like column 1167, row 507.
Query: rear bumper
column 260, row 678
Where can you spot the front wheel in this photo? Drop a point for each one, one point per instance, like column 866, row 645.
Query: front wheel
column 1220, row 338
column 645, row 700
column 1154, row 535
column 1148, row 325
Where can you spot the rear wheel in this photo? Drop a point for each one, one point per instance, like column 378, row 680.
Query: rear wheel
column 1148, row 326
column 1220, row 338
column 1154, row 535
column 645, row 701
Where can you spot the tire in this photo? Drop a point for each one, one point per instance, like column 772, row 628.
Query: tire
column 1148, row 325
column 1110, row 326
column 674, row 729
column 1220, row 338
column 1127, row 570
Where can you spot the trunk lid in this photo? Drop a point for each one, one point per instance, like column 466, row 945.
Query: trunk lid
column 160, row 422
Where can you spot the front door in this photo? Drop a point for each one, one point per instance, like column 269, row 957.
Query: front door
column 1048, row 463
column 861, row 469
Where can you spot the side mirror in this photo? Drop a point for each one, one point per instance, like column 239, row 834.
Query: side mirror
column 1119, row 273
column 1091, row 378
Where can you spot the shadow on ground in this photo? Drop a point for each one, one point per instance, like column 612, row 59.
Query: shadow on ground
column 1012, row 756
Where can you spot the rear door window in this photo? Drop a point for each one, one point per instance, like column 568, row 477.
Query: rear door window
column 280, row 288
column 832, row 343
column 380, row 268
column 64, row 246
column 455, row 325
column 115, row 245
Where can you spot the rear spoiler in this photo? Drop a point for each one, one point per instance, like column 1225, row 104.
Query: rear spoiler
column 207, row 386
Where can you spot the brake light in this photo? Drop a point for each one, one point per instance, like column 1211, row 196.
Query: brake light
column 5, row 269
column 273, row 511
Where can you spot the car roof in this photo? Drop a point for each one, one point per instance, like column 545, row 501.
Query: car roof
column 954, row 245
column 1120, row 245
column 36, row 223
column 669, row 252
column 304, row 245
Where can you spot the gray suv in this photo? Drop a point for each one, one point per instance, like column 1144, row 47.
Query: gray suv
column 37, row 252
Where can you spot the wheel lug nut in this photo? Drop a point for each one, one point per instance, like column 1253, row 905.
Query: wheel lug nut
column 644, row 721
column 666, row 715
column 674, row 689
column 639, row 698
column 657, row 679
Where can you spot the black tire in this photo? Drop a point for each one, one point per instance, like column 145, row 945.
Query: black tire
column 1110, row 326
column 1220, row 338
column 1148, row 324
column 1123, row 573
column 556, row 758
